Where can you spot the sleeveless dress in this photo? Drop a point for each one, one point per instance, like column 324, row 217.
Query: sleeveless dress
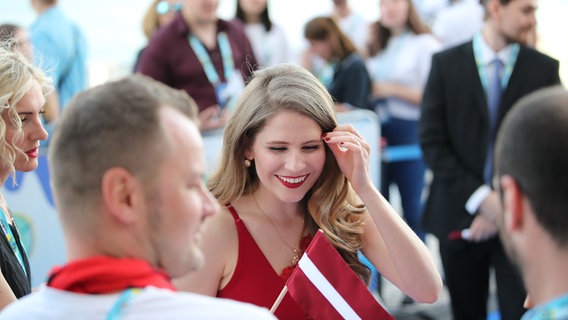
column 255, row 281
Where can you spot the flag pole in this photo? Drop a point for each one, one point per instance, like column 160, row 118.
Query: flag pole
column 279, row 299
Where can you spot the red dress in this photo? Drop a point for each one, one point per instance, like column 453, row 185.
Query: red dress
column 255, row 281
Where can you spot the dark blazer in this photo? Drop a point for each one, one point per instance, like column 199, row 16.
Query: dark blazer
column 453, row 127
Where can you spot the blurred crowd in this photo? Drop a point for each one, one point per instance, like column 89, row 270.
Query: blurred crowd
column 440, row 76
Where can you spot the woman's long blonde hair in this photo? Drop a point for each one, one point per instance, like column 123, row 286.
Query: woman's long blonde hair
column 331, row 204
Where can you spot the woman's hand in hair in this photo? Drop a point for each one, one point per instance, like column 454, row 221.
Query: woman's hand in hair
column 352, row 154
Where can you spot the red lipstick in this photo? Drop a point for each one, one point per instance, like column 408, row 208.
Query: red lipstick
column 292, row 182
column 33, row 153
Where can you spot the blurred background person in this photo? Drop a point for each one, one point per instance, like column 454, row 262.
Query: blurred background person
column 22, row 97
column 350, row 85
column 428, row 9
column 351, row 22
column 160, row 13
column 400, row 49
column 458, row 22
column 353, row 25
column 17, row 39
column 268, row 40
column 208, row 57
column 60, row 49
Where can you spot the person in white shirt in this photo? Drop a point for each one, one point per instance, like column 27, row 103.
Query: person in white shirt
column 268, row 40
column 458, row 22
column 351, row 22
column 400, row 50
column 429, row 9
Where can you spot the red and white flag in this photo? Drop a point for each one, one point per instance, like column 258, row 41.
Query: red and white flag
column 326, row 287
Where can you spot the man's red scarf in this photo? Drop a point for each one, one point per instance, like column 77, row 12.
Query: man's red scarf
column 102, row 274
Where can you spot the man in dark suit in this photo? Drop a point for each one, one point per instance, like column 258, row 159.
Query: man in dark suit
column 470, row 89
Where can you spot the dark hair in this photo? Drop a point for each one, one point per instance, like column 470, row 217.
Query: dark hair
column 532, row 147
column 485, row 2
column 380, row 35
column 322, row 28
column 264, row 16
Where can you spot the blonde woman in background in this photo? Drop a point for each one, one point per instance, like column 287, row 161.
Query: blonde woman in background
column 23, row 89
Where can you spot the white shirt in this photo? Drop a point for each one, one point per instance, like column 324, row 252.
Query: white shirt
column 428, row 9
column 151, row 303
column 488, row 55
column 458, row 23
column 405, row 61
column 270, row 48
column 356, row 28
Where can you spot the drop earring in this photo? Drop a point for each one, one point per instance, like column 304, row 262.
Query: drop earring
column 247, row 163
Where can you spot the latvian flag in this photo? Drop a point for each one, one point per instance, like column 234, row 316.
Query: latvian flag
column 327, row 288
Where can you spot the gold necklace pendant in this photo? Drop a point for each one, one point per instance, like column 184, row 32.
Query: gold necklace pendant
column 296, row 257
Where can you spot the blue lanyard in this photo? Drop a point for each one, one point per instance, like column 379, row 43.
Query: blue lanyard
column 555, row 309
column 11, row 239
column 326, row 73
column 123, row 299
column 482, row 68
column 203, row 56
column 389, row 55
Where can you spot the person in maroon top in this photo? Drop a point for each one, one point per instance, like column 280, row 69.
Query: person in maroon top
column 208, row 57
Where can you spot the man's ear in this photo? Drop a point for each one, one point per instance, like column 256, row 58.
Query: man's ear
column 513, row 203
column 492, row 8
column 121, row 194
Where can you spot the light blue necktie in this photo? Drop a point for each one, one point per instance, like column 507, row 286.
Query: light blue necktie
column 494, row 91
